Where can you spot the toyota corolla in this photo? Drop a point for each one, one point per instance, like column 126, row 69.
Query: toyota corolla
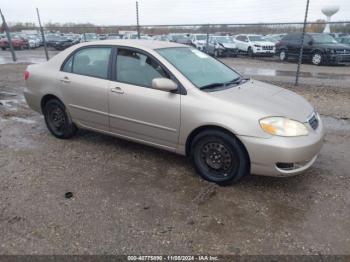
column 176, row 98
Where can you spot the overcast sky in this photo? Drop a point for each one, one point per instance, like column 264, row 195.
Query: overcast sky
column 122, row 12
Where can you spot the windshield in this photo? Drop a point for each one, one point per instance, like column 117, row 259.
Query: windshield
column 224, row 39
column 199, row 68
column 201, row 37
column 323, row 39
column 255, row 38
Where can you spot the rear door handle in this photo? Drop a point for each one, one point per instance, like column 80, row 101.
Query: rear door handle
column 65, row 80
column 117, row 90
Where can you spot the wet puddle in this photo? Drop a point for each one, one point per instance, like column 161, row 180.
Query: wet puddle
column 273, row 72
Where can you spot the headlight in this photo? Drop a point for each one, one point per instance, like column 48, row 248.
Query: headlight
column 282, row 126
column 257, row 45
column 332, row 51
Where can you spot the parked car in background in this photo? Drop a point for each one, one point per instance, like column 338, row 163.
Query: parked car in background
column 145, row 37
column 102, row 36
column 17, row 43
column 75, row 38
column 222, row 46
column 51, row 39
column 131, row 36
column 89, row 37
column 345, row 40
column 199, row 41
column 114, row 36
column 179, row 99
column 62, row 43
column 318, row 48
column 274, row 38
column 337, row 36
column 254, row 45
column 180, row 38
column 161, row 38
column 33, row 41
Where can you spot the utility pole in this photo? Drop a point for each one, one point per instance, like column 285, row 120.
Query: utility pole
column 137, row 20
column 302, row 44
column 42, row 35
column 8, row 37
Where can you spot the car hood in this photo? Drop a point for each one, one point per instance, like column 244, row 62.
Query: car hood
column 334, row 46
column 228, row 45
column 265, row 100
column 265, row 43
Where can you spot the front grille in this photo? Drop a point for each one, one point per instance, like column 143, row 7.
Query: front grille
column 313, row 121
column 342, row 51
column 265, row 47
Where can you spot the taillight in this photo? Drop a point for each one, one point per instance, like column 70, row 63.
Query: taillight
column 26, row 75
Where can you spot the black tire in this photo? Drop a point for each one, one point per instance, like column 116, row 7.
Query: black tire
column 3, row 48
column 219, row 157
column 58, row 120
column 283, row 55
column 317, row 58
column 216, row 53
column 250, row 52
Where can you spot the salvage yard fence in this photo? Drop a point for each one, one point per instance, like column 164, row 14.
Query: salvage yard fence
column 208, row 29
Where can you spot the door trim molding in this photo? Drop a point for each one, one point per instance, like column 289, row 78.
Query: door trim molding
column 89, row 110
column 143, row 123
column 123, row 118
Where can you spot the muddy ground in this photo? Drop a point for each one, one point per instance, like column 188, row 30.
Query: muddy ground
column 129, row 198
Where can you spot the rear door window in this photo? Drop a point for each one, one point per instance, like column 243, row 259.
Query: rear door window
column 91, row 61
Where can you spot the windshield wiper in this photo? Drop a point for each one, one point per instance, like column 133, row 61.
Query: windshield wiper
column 212, row 85
column 237, row 80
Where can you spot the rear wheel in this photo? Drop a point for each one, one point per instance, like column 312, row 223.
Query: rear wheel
column 219, row 157
column 250, row 52
column 57, row 119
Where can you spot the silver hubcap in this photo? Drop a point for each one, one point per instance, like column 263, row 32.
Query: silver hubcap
column 316, row 59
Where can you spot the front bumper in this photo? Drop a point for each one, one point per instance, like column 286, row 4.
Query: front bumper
column 339, row 58
column 267, row 154
column 261, row 51
column 229, row 51
column 201, row 47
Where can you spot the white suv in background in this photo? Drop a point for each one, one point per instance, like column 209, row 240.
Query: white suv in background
column 199, row 41
column 254, row 45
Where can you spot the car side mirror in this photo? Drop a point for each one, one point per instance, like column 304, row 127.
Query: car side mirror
column 164, row 84
column 310, row 42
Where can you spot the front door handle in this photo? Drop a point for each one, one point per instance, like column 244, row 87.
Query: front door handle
column 65, row 80
column 117, row 90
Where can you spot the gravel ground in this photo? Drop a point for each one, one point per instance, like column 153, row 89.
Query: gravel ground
column 129, row 198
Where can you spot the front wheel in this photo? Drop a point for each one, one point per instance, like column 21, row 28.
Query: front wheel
column 57, row 120
column 216, row 53
column 317, row 59
column 283, row 55
column 219, row 157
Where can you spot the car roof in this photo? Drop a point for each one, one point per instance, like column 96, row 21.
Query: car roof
column 143, row 44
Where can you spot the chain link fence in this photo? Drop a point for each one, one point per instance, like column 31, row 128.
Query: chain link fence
column 263, row 67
